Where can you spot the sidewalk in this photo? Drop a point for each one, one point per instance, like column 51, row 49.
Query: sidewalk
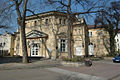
column 35, row 64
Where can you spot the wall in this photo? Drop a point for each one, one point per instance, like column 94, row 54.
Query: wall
column 117, row 41
column 100, row 41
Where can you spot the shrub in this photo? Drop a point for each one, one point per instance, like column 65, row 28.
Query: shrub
column 74, row 59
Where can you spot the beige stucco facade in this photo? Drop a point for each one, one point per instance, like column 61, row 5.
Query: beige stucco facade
column 46, row 35
column 53, row 25
column 99, row 38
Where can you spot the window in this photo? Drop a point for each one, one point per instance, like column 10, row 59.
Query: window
column 60, row 21
column 117, row 40
column 75, row 29
column 0, row 44
column 118, row 47
column 46, row 21
column 4, row 43
column 64, row 22
column 34, row 50
column 89, row 34
column 35, row 23
column 63, row 45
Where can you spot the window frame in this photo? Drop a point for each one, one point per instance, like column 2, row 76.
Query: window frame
column 90, row 34
column 63, row 45
column 46, row 21
column 60, row 21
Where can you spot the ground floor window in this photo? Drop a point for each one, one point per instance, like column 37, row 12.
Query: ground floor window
column 63, row 45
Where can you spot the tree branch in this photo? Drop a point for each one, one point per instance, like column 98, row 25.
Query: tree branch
column 20, row 2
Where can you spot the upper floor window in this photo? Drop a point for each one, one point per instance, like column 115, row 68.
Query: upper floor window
column 90, row 34
column 60, row 21
column 35, row 23
column 117, row 40
column 64, row 22
column 46, row 21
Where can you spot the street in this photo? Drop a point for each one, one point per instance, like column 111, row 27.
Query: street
column 28, row 74
column 104, row 69
column 100, row 70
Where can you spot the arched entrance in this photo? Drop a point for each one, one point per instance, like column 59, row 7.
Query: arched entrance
column 91, row 49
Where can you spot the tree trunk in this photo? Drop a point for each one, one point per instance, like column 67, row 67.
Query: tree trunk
column 112, row 45
column 23, row 36
column 56, row 44
column 69, row 29
column 23, row 44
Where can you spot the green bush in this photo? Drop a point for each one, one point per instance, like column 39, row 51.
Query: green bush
column 74, row 59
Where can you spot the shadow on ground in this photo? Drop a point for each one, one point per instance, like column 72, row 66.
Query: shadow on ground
column 10, row 59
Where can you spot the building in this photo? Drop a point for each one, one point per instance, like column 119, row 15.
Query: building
column 117, row 41
column 99, row 40
column 46, row 35
column 7, row 44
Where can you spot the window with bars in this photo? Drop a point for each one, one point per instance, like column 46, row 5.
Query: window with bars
column 63, row 45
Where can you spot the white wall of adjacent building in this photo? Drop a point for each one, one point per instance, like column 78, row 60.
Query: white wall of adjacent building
column 117, row 41
column 5, row 42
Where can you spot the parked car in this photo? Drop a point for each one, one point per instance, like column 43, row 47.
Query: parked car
column 116, row 58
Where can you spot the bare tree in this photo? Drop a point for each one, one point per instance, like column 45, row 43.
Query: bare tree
column 67, row 6
column 109, row 18
column 5, row 14
column 21, row 22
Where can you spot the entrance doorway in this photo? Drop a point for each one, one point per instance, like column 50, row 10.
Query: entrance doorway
column 91, row 49
column 35, row 49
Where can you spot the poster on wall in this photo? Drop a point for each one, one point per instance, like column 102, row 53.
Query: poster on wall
column 91, row 49
column 79, row 51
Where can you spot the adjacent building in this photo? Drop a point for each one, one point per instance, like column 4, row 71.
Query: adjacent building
column 99, row 40
column 7, row 44
column 117, row 40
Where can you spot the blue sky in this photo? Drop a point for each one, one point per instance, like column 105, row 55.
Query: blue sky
column 38, row 7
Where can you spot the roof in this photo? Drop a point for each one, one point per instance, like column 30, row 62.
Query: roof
column 43, row 14
column 79, row 21
column 94, row 26
column 36, row 34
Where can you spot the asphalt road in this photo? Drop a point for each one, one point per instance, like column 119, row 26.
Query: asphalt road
column 104, row 69
column 28, row 74
column 98, row 71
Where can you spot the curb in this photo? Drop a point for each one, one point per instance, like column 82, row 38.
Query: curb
column 75, row 64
